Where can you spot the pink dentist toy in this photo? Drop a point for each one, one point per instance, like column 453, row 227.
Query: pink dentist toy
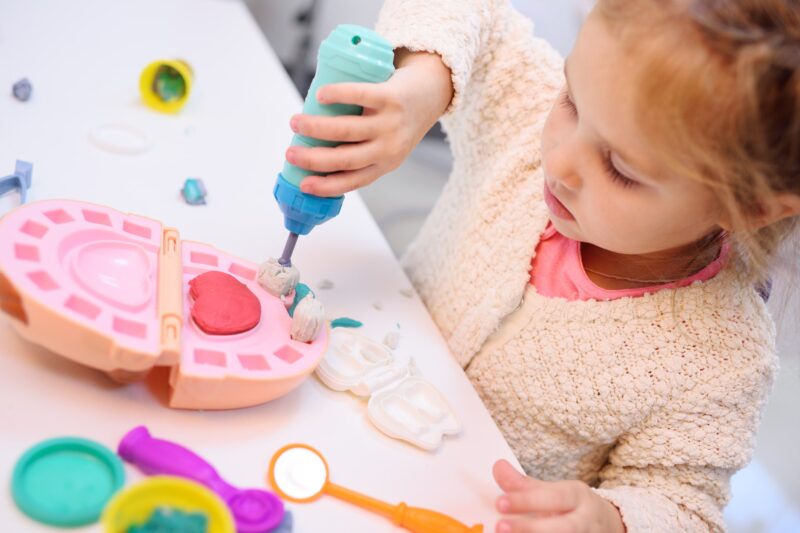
column 111, row 290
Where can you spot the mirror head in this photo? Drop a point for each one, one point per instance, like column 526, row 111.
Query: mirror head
column 298, row 473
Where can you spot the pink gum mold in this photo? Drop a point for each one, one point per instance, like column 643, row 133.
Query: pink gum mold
column 111, row 291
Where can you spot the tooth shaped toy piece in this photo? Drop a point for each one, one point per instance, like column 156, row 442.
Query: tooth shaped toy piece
column 401, row 404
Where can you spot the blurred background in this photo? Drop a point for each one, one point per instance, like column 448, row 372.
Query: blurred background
column 766, row 494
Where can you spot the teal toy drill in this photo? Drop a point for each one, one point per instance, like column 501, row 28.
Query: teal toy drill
column 349, row 54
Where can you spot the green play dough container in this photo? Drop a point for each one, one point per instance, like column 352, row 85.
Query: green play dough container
column 66, row 481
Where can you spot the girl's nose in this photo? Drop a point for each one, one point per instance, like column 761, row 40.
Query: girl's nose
column 561, row 164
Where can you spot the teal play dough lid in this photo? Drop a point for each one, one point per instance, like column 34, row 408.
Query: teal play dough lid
column 66, row 481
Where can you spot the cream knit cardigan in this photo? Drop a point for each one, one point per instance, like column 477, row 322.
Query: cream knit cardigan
column 654, row 400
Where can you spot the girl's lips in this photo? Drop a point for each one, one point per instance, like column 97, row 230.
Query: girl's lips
column 555, row 205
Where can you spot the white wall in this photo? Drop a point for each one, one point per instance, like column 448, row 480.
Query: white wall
column 556, row 21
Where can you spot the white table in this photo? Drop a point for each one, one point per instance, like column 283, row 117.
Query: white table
column 84, row 58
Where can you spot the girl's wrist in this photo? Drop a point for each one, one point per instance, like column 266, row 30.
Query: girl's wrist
column 613, row 518
column 435, row 73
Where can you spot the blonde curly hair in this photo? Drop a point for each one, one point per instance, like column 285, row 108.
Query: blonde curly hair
column 720, row 96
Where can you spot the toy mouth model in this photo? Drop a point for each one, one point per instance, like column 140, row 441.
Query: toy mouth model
column 111, row 291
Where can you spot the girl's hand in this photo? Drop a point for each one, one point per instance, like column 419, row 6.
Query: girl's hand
column 563, row 506
column 397, row 114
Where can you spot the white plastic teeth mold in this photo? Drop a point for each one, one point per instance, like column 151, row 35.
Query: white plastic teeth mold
column 354, row 362
column 402, row 404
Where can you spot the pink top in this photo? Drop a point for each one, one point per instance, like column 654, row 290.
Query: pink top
column 557, row 272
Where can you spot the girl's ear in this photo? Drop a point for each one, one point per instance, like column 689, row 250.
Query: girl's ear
column 779, row 207
column 784, row 205
column 793, row 202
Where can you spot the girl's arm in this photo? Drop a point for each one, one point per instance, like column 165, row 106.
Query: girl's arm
column 673, row 473
column 455, row 30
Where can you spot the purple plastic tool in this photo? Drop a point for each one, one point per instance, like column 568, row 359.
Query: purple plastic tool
column 254, row 510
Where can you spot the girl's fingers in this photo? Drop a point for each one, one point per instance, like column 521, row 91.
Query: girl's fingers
column 326, row 159
column 513, row 526
column 541, row 497
column 339, row 183
column 527, row 495
column 343, row 128
column 551, row 524
column 371, row 95
column 507, row 477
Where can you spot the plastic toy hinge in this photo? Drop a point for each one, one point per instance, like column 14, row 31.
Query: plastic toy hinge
column 170, row 296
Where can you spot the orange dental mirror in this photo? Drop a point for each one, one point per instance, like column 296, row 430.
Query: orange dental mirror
column 299, row 473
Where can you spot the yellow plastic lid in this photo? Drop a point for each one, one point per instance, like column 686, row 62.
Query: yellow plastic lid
column 166, row 84
column 136, row 504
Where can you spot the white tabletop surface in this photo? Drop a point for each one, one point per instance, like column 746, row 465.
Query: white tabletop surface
column 84, row 58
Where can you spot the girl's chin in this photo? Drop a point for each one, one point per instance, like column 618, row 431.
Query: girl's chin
column 568, row 229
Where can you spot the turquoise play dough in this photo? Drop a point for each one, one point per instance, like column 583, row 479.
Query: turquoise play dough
column 345, row 322
column 301, row 290
column 168, row 520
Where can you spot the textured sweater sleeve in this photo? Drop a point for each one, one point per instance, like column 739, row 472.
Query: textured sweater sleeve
column 454, row 29
column 673, row 473
column 505, row 81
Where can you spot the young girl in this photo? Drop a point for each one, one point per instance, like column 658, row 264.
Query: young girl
column 594, row 258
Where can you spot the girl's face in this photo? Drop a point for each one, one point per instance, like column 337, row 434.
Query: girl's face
column 602, row 183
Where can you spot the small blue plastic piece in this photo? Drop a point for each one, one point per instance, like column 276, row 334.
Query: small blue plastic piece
column 22, row 90
column 194, row 191
column 21, row 179
column 303, row 211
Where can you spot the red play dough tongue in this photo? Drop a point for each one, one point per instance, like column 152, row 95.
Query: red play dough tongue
column 223, row 305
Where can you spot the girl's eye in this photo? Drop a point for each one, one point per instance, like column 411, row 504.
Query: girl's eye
column 569, row 105
column 623, row 180
column 616, row 175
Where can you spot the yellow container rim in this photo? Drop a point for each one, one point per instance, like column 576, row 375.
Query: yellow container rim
column 135, row 504
column 151, row 99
